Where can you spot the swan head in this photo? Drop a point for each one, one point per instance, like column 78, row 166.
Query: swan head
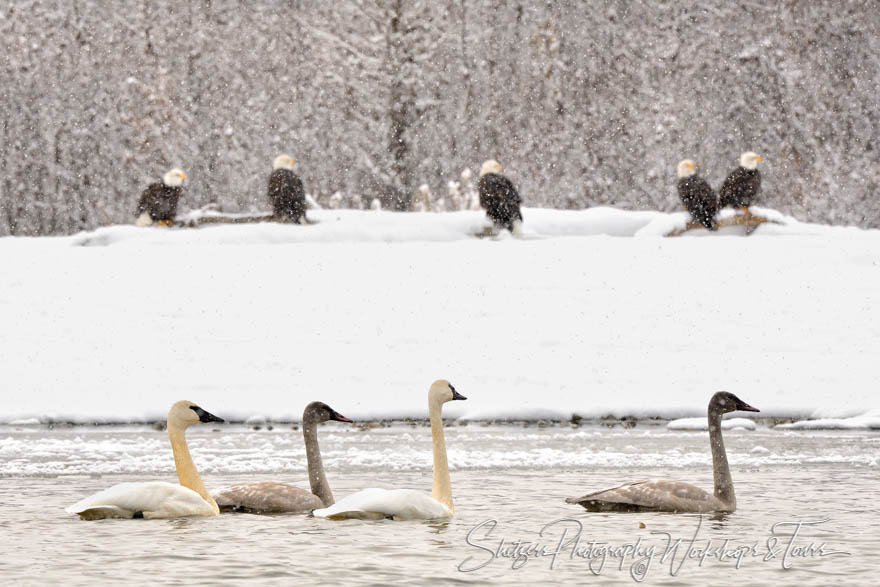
column 724, row 402
column 283, row 162
column 490, row 166
column 321, row 412
column 442, row 391
column 184, row 414
column 750, row 160
column 174, row 177
column 686, row 168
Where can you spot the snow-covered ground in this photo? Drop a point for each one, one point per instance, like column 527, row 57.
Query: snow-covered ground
column 866, row 421
column 365, row 309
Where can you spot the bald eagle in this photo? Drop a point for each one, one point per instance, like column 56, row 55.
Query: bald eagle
column 286, row 191
column 743, row 183
column 499, row 198
column 697, row 195
column 158, row 203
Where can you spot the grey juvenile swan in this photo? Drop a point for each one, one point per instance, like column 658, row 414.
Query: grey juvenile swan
column 677, row 496
column 272, row 497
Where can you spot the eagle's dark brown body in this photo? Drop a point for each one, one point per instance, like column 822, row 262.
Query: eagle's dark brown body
column 740, row 188
column 160, row 202
column 500, row 200
column 287, row 195
column 699, row 199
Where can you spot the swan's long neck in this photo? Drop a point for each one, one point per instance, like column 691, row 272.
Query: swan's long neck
column 723, row 481
column 317, row 478
column 187, row 473
column 441, row 489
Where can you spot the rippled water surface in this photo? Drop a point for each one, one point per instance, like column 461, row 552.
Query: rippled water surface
column 516, row 476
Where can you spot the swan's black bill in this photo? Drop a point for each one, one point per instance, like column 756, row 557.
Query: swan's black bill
column 455, row 394
column 339, row 417
column 205, row 417
column 742, row 406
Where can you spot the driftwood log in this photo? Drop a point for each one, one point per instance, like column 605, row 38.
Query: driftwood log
column 220, row 218
column 750, row 221
column 226, row 219
column 487, row 232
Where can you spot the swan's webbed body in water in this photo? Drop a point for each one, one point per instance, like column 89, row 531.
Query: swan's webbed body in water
column 408, row 504
column 272, row 497
column 678, row 496
column 158, row 499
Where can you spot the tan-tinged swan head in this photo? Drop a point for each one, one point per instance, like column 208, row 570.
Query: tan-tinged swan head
column 490, row 166
column 750, row 160
column 184, row 414
column 724, row 401
column 686, row 168
column 320, row 412
column 283, row 162
column 442, row 391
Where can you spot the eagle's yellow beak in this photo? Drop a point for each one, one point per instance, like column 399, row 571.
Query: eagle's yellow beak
column 690, row 165
column 182, row 175
column 759, row 158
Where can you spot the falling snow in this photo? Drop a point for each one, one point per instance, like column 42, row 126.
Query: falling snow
column 584, row 103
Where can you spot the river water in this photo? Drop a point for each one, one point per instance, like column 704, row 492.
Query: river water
column 509, row 483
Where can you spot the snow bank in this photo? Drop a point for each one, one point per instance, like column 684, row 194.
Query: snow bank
column 703, row 424
column 867, row 421
column 349, row 226
column 365, row 309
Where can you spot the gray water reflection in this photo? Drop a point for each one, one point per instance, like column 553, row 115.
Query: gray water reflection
column 41, row 544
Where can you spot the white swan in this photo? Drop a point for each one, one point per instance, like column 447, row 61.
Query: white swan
column 677, row 496
column 271, row 497
column 407, row 504
column 158, row 499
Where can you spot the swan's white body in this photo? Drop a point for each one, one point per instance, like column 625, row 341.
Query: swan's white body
column 407, row 504
column 158, row 499
column 376, row 503
column 153, row 499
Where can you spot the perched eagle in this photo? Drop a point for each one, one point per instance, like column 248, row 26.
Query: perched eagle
column 696, row 194
column 499, row 198
column 286, row 191
column 743, row 183
column 158, row 203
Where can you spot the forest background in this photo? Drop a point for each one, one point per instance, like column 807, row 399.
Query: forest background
column 584, row 103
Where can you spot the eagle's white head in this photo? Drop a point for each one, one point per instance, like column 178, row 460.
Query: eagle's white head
column 686, row 168
column 490, row 166
column 750, row 160
column 283, row 162
column 174, row 178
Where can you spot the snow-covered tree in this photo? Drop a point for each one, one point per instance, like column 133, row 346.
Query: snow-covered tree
column 583, row 103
